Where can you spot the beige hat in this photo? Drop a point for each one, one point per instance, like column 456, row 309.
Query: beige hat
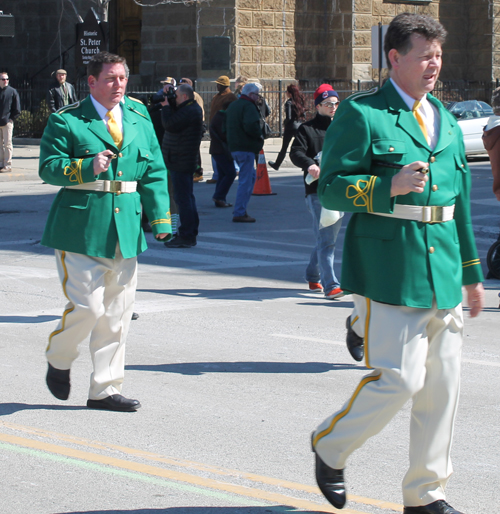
column 223, row 80
column 169, row 80
column 61, row 72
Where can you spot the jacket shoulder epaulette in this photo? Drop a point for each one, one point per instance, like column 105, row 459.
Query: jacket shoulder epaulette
column 67, row 108
column 135, row 100
column 362, row 94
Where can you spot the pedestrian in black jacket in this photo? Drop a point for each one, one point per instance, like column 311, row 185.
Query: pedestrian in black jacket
column 222, row 156
column 294, row 116
column 10, row 109
column 182, row 120
column 307, row 145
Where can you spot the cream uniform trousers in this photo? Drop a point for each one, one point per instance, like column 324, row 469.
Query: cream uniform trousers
column 101, row 294
column 415, row 354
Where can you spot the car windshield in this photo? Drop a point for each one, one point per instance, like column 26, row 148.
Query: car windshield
column 470, row 109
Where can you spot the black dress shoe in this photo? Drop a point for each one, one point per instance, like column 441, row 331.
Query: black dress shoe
column 273, row 165
column 222, row 203
column 331, row 483
column 180, row 242
column 114, row 402
column 355, row 344
column 58, row 382
column 437, row 507
column 135, row 316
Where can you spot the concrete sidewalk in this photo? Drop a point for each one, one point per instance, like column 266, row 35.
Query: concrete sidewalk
column 27, row 152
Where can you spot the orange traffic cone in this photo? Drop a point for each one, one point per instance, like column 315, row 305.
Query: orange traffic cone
column 262, row 185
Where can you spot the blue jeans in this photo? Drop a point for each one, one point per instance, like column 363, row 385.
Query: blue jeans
column 246, row 181
column 215, row 176
column 227, row 174
column 184, row 198
column 320, row 267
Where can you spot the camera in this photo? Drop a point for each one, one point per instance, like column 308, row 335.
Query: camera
column 171, row 94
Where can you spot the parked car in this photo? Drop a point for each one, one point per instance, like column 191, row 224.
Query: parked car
column 472, row 116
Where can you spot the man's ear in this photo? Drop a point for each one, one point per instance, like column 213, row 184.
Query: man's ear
column 91, row 81
column 394, row 57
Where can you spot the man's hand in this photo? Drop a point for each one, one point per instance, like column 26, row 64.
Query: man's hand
column 313, row 170
column 475, row 298
column 161, row 236
column 102, row 161
column 409, row 180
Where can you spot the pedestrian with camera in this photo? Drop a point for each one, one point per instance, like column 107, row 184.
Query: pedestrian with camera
column 182, row 120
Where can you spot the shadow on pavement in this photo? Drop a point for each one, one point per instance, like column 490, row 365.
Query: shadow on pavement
column 11, row 408
column 27, row 319
column 200, row 368
column 201, row 510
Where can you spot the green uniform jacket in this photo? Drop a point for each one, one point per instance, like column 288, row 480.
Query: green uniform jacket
column 390, row 260
column 91, row 222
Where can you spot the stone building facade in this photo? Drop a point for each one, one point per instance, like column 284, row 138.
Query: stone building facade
column 268, row 39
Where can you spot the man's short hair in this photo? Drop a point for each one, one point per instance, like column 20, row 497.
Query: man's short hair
column 495, row 101
column 404, row 25
column 186, row 89
column 251, row 87
column 95, row 65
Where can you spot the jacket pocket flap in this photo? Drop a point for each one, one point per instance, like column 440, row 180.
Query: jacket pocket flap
column 87, row 150
column 75, row 199
column 145, row 153
column 388, row 147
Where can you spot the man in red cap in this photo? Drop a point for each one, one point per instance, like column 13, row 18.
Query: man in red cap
column 307, row 145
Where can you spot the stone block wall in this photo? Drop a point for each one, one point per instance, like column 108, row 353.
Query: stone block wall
column 265, row 39
column 169, row 41
column 323, row 39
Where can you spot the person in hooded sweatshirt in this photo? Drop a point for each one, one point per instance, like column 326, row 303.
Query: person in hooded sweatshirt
column 491, row 141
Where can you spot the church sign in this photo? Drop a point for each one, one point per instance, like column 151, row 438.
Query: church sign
column 90, row 39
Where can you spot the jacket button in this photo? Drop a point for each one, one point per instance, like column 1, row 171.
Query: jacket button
column 118, row 193
column 120, row 155
column 434, row 187
column 87, row 151
column 117, row 210
column 391, row 149
column 120, row 173
column 462, row 165
column 432, row 159
column 431, row 249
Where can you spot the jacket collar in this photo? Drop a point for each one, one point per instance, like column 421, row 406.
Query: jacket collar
column 97, row 126
column 407, row 121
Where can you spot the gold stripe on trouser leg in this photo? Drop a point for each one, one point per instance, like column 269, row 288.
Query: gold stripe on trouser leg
column 107, row 341
column 433, row 411
column 397, row 345
column 69, row 306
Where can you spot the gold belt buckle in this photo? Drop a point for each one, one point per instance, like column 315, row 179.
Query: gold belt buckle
column 115, row 186
column 432, row 214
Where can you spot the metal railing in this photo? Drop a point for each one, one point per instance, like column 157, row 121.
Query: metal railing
column 35, row 113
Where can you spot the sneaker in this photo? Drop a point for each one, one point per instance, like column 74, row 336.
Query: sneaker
column 244, row 219
column 334, row 293
column 7, row 169
column 180, row 242
column 315, row 286
column 273, row 165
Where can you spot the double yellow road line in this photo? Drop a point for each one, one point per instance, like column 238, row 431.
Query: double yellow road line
column 98, row 455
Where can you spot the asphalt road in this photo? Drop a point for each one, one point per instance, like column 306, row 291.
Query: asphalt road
column 235, row 363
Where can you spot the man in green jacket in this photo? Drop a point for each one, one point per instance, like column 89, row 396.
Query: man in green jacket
column 104, row 154
column 395, row 158
column 244, row 139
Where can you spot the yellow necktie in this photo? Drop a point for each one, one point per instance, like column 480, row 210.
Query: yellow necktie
column 114, row 130
column 419, row 118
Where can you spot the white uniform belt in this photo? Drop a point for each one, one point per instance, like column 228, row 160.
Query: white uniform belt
column 422, row 213
column 108, row 186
